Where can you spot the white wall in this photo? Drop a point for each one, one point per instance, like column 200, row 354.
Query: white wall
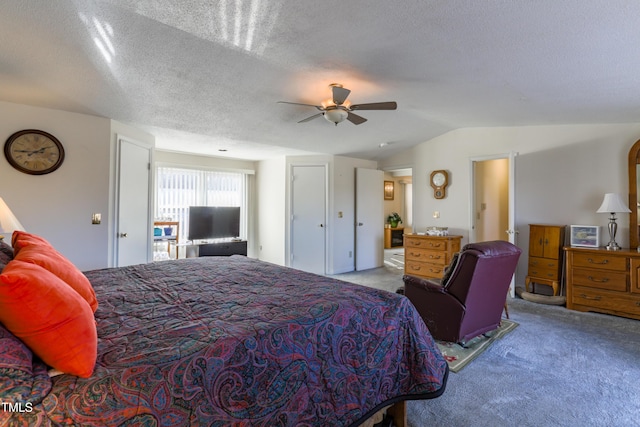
column 59, row 205
column 271, row 202
column 562, row 173
column 273, row 183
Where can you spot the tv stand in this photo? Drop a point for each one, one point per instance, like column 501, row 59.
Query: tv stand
column 226, row 248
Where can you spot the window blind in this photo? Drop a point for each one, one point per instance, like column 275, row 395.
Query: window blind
column 179, row 188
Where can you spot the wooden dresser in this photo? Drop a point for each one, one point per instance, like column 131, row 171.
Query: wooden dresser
column 604, row 281
column 427, row 256
column 545, row 255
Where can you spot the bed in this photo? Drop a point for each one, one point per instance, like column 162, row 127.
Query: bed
column 225, row 341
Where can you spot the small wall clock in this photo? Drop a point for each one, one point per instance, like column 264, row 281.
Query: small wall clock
column 34, row 152
column 439, row 181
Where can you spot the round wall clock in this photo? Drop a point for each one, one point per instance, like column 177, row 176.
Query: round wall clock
column 439, row 181
column 34, row 152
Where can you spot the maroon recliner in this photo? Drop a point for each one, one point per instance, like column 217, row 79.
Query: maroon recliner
column 469, row 299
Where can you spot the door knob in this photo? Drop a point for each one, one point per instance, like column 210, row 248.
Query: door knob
column 123, row 234
column 321, row 225
column 360, row 224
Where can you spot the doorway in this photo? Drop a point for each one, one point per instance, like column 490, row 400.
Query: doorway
column 493, row 201
column 493, row 204
column 401, row 202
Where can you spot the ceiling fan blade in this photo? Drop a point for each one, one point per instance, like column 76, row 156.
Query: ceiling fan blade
column 375, row 106
column 356, row 119
column 305, row 105
column 311, row 118
column 340, row 94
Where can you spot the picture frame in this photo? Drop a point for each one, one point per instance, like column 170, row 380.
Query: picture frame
column 587, row 236
column 388, row 190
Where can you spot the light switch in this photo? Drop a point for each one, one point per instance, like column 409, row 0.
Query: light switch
column 436, row 214
column 96, row 218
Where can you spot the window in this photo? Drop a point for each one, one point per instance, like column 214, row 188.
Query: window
column 179, row 188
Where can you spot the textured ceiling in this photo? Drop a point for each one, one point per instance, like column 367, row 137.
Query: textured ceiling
column 205, row 76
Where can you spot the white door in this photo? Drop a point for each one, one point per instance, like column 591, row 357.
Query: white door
column 133, row 218
column 308, row 218
column 369, row 218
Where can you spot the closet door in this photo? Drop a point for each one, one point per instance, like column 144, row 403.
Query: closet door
column 308, row 218
column 133, row 210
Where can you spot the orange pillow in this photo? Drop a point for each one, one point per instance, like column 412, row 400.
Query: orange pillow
column 20, row 239
column 38, row 251
column 50, row 317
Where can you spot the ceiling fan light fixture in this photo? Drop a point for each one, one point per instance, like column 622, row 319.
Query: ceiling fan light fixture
column 336, row 115
column 328, row 103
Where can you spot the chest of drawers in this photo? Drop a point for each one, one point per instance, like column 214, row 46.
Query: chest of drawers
column 545, row 255
column 604, row 281
column 427, row 256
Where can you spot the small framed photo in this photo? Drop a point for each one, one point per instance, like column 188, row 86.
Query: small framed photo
column 388, row 190
column 587, row 236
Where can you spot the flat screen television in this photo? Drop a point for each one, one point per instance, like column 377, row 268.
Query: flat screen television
column 213, row 222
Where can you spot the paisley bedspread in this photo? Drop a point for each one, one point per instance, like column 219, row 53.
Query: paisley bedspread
column 222, row 341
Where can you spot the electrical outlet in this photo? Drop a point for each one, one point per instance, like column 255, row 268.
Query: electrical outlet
column 96, row 218
column 436, row 214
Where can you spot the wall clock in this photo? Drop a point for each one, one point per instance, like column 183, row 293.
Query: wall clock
column 439, row 181
column 34, row 152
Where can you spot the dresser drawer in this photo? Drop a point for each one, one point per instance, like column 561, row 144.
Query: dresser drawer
column 440, row 244
column 425, row 269
column 600, row 261
column 601, row 279
column 543, row 273
column 546, row 263
column 426, row 255
column 610, row 301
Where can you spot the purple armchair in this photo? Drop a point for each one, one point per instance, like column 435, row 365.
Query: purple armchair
column 469, row 299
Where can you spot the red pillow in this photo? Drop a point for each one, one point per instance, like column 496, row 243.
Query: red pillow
column 50, row 317
column 38, row 251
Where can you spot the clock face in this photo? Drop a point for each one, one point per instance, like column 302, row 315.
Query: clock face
column 438, row 179
column 34, row 152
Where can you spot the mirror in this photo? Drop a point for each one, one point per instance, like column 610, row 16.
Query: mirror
column 634, row 175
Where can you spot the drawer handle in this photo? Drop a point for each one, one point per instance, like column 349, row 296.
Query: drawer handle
column 434, row 245
column 596, row 298
column 434, row 257
column 415, row 268
column 604, row 261
column 593, row 279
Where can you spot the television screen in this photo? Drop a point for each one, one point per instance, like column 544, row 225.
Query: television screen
column 213, row 222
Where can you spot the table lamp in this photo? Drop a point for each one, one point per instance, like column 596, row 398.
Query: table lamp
column 8, row 221
column 613, row 204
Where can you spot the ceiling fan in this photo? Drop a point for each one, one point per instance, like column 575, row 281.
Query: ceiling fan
column 337, row 109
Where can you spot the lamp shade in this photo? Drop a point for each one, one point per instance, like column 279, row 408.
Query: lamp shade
column 8, row 221
column 613, row 203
